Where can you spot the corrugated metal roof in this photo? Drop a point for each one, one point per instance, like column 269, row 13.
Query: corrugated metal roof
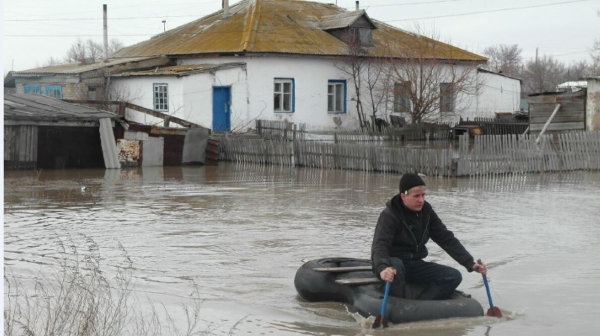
column 179, row 70
column 41, row 108
column 77, row 67
column 283, row 26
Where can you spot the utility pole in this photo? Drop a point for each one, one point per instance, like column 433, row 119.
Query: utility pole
column 105, row 29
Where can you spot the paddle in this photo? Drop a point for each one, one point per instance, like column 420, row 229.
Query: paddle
column 380, row 320
column 493, row 311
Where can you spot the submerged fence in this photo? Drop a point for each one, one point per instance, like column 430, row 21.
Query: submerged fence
column 280, row 130
column 406, row 133
column 488, row 154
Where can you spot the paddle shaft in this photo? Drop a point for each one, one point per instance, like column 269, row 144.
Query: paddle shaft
column 487, row 289
column 385, row 298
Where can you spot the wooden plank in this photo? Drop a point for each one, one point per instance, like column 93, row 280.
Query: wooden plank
column 559, row 126
column 355, row 282
column 557, row 119
column 343, row 269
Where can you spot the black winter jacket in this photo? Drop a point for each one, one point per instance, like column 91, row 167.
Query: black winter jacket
column 393, row 238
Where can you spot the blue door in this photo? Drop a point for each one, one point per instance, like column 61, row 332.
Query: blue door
column 221, row 108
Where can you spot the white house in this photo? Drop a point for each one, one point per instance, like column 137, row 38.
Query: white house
column 281, row 60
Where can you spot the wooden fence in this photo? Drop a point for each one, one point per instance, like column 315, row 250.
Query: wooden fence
column 487, row 155
column 433, row 162
column 406, row 133
column 493, row 126
column 280, row 130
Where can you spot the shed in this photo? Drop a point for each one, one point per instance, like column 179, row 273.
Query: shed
column 48, row 133
column 570, row 116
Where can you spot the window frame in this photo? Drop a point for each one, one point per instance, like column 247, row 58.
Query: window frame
column 402, row 103
column 32, row 89
column 58, row 88
column 445, row 95
column 292, row 94
column 335, row 83
column 160, row 106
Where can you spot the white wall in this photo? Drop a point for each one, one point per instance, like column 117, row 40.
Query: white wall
column 252, row 93
column 190, row 97
column 497, row 94
column 140, row 90
column 311, row 76
column 592, row 122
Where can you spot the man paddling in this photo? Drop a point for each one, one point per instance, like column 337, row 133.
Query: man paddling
column 403, row 229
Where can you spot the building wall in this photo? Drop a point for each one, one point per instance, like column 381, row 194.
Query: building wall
column 20, row 146
column 253, row 97
column 140, row 91
column 497, row 94
column 592, row 122
column 69, row 90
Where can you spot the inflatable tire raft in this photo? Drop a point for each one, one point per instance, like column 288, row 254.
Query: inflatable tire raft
column 346, row 280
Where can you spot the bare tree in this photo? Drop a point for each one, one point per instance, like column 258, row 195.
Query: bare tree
column 90, row 49
column 114, row 45
column 504, row 58
column 49, row 62
column 94, row 50
column 575, row 71
column 354, row 65
column 542, row 74
column 430, row 87
column 76, row 52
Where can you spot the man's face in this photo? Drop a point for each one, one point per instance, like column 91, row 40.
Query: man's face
column 415, row 199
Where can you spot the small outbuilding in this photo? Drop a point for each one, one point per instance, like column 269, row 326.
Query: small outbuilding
column 48, row 133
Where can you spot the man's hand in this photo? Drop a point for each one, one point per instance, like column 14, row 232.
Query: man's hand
column 388, row 274
column 480, row 267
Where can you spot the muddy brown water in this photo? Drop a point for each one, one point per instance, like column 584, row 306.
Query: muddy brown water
column 240, row 232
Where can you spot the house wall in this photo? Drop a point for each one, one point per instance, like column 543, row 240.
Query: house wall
column 253, row 98
column 140, row 91
column 497, row 94
column 592, row 122
column 190, row 97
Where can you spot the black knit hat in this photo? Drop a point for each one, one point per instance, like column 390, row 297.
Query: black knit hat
column 409, row 181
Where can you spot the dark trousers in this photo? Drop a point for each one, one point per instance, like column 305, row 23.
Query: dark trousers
column 439, row 280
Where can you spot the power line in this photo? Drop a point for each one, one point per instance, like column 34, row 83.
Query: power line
column 489, row 11
column 399, row 20
column 415, row 3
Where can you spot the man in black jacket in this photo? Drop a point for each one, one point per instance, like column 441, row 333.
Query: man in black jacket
column 398, row 250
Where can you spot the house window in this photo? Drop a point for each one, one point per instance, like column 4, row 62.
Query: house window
column 447, row 97
column 92, row 93
column 161, row 97
column 284, row 95
column 402, row 97
column 53, row 91
column 32, row 89
column 336, row 96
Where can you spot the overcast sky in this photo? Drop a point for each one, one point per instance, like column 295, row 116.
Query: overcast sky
column 36, row 30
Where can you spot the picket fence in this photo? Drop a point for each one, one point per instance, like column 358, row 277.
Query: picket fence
column 486, row 155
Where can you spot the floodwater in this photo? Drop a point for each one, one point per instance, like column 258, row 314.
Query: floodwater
column 240, row 232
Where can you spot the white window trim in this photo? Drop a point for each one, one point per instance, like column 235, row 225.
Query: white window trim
column 336, row 109
column 282, row 94
column 161, row 107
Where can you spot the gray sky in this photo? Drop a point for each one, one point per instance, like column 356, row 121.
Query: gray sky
column 35, row 30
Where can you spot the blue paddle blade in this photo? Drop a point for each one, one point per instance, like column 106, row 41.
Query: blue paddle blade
column 380, row 320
